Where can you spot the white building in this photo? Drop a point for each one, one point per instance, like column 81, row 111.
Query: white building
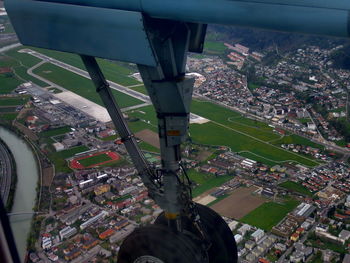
column 233, row 225
column 67, row 232
column 46, row 243
column 58, row 146
column 94, row 219
column 257, row 235
column 238, row 238
column 311, row 126
column 243, row 229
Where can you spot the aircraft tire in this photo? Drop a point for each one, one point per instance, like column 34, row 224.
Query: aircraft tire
column 158, row 244
column 223, row 248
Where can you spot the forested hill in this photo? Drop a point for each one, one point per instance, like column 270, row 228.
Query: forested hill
column 341, row 57
column 268, row 40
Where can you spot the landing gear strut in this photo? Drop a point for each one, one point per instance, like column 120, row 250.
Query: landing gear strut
column 185, row 232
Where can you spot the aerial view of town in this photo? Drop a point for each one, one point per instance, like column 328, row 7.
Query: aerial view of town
column 268, row 147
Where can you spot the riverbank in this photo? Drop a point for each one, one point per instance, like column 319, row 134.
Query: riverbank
column 27, row 197
column 13, row 178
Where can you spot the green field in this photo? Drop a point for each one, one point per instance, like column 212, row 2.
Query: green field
column 252, row 86
column 54, row 132
column 113, row 71
column 304, row 120
column 109, row 138
column 205, row 181
column 253, row 156
column 13, row 101
column 211, row 133
column 231, row 129
column 234, row 120
column 214, row 47
column 148, row 148
column 8, row 116
column 8, row 109
column 58, row 158
column 269, row 214
column 296, row 139
column 20, row 63
column 140, row 89
column 145, row 113
column 296, row 187
column 80, row 85
column 95, row 160
column 71, row 151
column 8, row 83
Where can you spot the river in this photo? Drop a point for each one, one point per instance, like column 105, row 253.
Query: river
column 27, row 175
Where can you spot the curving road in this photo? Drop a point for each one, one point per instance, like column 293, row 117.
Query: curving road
column 5, row 173
column 84, row 74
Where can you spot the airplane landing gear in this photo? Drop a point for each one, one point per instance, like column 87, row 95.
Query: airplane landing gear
column 158, row 244
column 186, row 232
column 223, row 248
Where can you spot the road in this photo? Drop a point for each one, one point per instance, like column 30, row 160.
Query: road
column 327, row 144
column 6, row 48
column 5, row 173
column 147, row 100
column 290, row 249
column 85, row 74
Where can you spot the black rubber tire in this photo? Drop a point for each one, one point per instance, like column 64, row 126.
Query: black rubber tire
column 224, row 248
column 159, row 242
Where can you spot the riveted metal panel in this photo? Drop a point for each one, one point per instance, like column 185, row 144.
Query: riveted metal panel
column 100, row 32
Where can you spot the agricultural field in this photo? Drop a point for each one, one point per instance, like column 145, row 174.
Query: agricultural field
column 269, row 214
column 80, row 85
column 13, row 101
column 8, row 116
column 8, row 83
column 295, row 187
column 239, row 203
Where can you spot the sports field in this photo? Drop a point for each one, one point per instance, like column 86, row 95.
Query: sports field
column 269, row 214
column 101, row 158
column 93, row 160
